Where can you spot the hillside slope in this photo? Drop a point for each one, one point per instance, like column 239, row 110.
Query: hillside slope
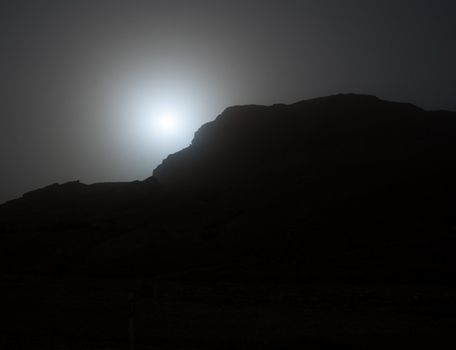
column 340, row 187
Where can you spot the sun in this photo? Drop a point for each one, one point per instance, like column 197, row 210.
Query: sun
column 167, row 122
column 156, row 123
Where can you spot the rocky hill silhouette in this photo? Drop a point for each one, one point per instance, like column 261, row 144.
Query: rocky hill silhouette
column 345, row 187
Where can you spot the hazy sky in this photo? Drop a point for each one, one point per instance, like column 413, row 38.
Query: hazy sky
column 83, row 82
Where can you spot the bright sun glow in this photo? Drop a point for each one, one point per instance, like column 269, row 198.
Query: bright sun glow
column 158, row 123
column 155, row 121
column 167, row 122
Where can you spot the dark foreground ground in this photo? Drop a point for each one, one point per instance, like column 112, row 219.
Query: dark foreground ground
column 46, row 313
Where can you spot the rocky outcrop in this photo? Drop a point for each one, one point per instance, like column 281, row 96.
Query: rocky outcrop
column 346, row 186
column 350, row 143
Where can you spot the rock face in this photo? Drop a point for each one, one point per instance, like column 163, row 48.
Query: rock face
column 344, row 142
column 341, row 187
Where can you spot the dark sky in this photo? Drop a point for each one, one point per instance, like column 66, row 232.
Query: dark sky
column 80, row 78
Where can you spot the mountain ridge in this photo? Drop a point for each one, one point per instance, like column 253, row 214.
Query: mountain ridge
column 347, row 187
column 234, row 108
